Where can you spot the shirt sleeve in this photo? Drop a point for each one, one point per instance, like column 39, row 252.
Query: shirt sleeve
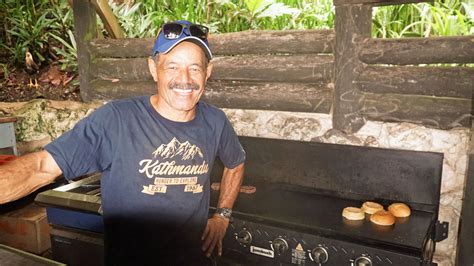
column 87, row 147
column 230, row 151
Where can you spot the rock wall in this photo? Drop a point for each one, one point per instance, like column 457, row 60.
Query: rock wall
column 41, row 121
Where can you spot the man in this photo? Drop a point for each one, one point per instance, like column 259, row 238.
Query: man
column 155, row 154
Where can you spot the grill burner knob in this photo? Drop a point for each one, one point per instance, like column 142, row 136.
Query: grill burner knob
column 363, row 260
column 244, row 237
column 320, row 255
column 279, row 245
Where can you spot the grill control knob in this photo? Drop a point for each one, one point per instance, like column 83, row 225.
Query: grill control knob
column 279, row 245
column 320, row 255
column 244, row 237
column 363, row 260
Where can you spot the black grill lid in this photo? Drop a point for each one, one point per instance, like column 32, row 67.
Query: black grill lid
column 351, row 172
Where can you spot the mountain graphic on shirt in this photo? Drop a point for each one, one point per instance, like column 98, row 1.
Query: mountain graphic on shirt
column 175, row 148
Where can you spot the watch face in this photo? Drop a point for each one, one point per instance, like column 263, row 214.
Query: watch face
column 226, row 212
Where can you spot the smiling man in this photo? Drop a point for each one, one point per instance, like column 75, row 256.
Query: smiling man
column 155, row 154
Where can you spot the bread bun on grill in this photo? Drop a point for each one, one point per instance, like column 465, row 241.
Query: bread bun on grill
column 384, row 218
column 353, row 213
column 399, row 209
column 371, row 207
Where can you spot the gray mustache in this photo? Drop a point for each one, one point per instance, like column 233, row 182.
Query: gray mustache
column 174, row 85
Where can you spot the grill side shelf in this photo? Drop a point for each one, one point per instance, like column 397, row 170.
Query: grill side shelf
column 82, row 202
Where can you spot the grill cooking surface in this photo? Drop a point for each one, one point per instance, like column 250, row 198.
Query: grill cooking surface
column 321, row 214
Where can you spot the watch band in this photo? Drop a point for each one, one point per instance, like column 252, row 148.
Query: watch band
column 224, row 212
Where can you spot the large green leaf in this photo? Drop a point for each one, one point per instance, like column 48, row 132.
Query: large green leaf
column 257, row 6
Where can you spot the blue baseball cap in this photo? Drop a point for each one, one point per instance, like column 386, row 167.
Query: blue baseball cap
column 163, row 45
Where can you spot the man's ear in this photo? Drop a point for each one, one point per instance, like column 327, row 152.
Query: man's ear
column 152, row 67
column 210, row 66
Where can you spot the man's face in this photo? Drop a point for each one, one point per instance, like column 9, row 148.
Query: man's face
column 181, row 75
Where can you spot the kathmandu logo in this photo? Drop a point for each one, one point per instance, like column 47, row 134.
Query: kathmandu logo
column 175, row 148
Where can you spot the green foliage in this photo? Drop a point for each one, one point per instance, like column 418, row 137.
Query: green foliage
column 137, row 21
column 68, row 52
column 28, row 27
column 45, row 27
column 143, row 18
column 4, row 68
column 440, row 18
column 40, row 27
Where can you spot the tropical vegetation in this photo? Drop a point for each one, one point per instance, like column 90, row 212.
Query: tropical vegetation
column 45, row 27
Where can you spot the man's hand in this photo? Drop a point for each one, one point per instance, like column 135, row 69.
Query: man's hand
column 217, row 225
column 213, row 234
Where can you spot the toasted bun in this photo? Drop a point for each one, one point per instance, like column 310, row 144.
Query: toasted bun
column 399, row 210
column 353, row 213
column 371, row 207
column 215, row 186
column 382, row 218
column 248, row 189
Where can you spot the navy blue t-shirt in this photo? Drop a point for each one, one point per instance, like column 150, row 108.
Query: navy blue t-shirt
column 155, row 176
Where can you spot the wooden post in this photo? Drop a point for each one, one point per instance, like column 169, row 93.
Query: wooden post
column 85, row 28
column 352, row 24
column 108, row 18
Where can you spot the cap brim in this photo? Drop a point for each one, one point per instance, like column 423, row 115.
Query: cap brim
column 194, row 40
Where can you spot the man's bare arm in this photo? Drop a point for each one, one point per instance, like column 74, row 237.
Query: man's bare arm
column 230, row 186
column 217, row 225
column 26, row 174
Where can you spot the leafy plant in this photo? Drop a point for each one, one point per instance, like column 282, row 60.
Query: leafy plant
column 30, row 30
column 44, row 27
column 225, row 15
column 4, row 68
column 134, row 23
column 68, row 52
column 37, row 26
column 440, row 18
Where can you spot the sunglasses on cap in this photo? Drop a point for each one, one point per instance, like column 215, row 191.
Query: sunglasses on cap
column 174, row 30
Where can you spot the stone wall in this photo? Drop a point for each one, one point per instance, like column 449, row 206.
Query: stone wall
column 41, row 121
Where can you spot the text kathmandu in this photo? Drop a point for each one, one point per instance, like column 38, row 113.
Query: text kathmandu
column 155, row 168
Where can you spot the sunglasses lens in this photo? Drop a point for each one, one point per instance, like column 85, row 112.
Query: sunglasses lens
column 172, row 30
column 199, row 31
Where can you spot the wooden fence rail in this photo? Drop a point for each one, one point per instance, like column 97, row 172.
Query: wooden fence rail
column 434, row 112
column 410, row 51
column 240, row 43
column 456, row 82
column 295, row 97
column 272, row 68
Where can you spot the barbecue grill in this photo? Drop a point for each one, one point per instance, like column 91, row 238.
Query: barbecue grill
column 294, row 216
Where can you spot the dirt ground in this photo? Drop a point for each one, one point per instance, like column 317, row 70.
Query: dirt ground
column 53, row 84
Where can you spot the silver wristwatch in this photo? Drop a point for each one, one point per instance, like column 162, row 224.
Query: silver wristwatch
column 224, row 212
